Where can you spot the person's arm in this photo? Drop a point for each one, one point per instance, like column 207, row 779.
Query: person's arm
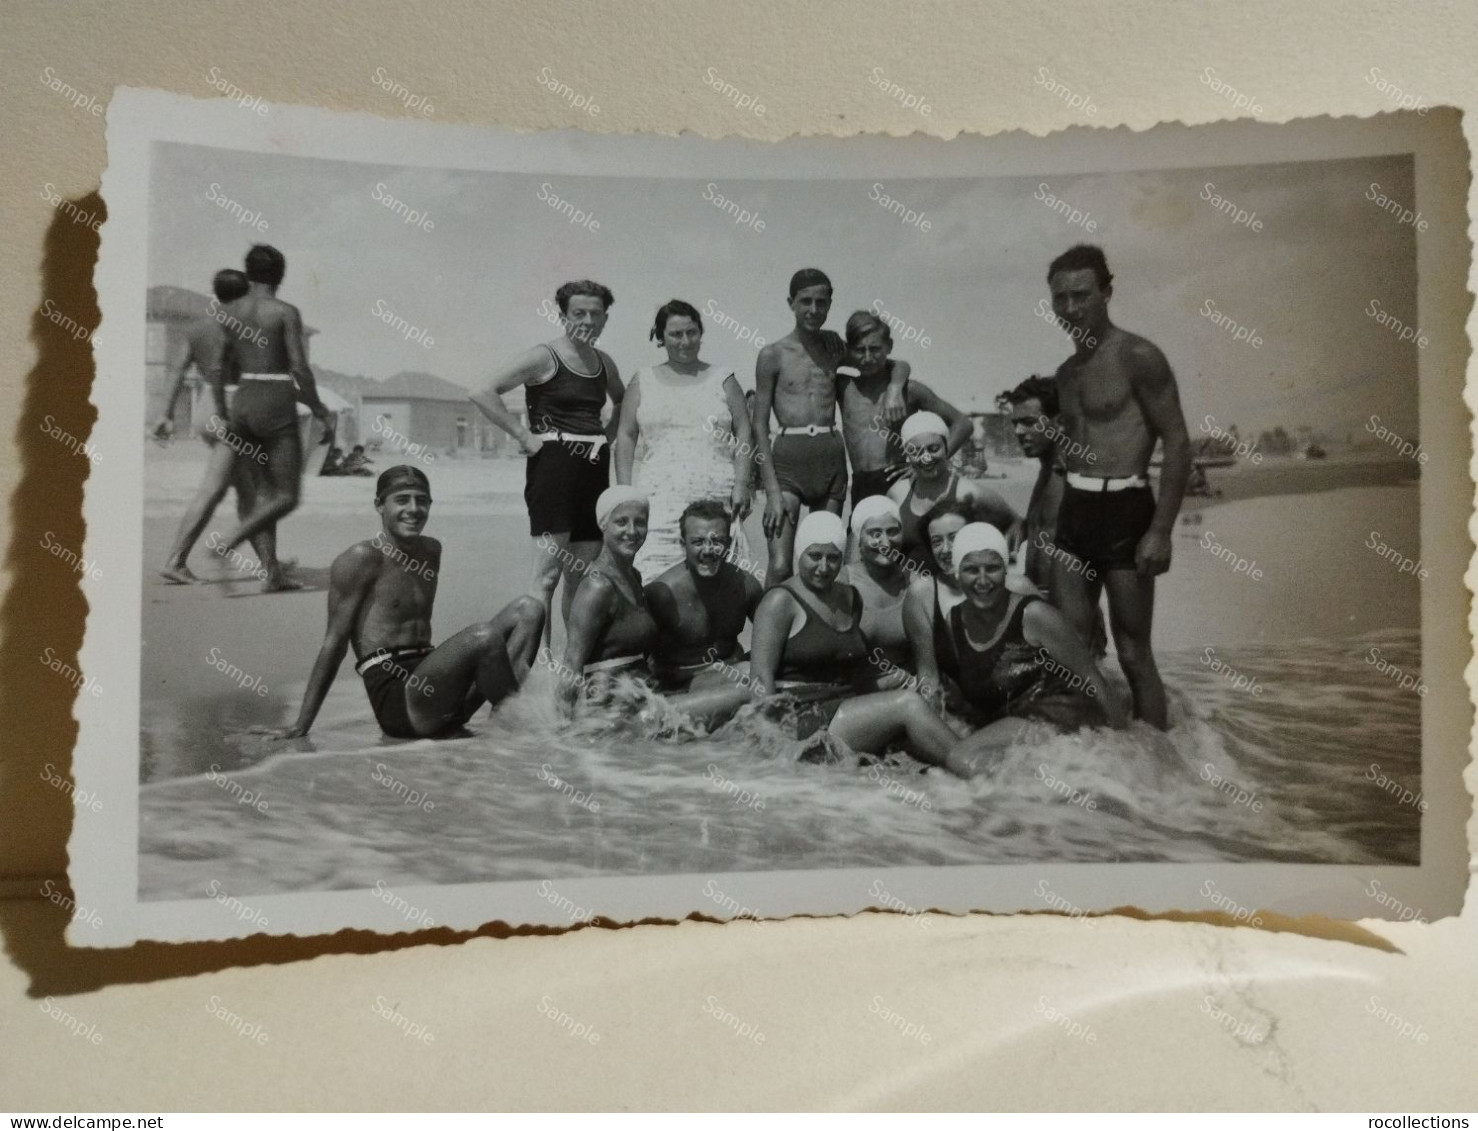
column 772, row 621
column 216, row 362
column 753, row 593
column 741, row 495
column 1043, row 627
column 177, row 370
column 350, row 580
column 590, row 616
column 766, row 372
column 528, row 366
column 297, row 363
column 925, row 399
column 1154, row 388
column 617, row 392
column 628, row 431
column 918, row 626
column 895, row 399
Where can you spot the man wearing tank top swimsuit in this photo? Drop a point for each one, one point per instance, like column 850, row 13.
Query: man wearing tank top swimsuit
column 572, row 395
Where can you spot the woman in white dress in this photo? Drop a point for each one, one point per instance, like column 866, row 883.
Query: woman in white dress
column 699, row 442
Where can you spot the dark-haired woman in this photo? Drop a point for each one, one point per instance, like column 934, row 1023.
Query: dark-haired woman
column 567, row 383
column 699, row 442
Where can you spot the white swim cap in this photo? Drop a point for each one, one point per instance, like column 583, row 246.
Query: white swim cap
column 874, row 506
column 976, row 538
column 819, row 528
column 923, row 424
column 613, row 497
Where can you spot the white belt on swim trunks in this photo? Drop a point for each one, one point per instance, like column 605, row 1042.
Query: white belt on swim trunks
column 808, row 430
column 266, row 376
column 390, row 656
column 612, row 664
column 1090, row 483
column 595, row 442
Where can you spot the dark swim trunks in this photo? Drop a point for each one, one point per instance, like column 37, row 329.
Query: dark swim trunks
column 1103, row 528
column 389, row 676
column 263, row 411
column 561, row 486
column 812, row 468
column 865, row 484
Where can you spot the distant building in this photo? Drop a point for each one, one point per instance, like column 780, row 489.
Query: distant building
column 426, row 410
column 169, row 311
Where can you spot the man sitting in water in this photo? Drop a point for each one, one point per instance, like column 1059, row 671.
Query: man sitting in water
column 380, row 596
column 701, row 604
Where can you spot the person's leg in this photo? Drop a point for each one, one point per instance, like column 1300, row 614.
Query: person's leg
column 279, row 488
column 1076, row 597
column 575, row 566
column 1131, row 617
column 711, row 705
column 982, row 749
column 484, row 663
column 549, row 552
column 782, row 545
column 218, row 473
column 870, row 722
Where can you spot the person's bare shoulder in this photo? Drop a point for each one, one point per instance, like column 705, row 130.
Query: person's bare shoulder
column 1142, row 354
column 359, row 563
column 903, row 367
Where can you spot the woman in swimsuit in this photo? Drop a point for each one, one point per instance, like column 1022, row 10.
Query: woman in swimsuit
column 1017, row 657
column 808, row 641
column 878, row 574
column 931, row 480
column 610, row 630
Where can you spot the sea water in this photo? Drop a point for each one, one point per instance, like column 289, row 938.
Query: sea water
column 1280, row 773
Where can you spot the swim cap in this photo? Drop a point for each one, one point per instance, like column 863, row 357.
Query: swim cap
column 808, row 277
column 978, row 537
column 613, row 497
column 392, row 479
column 820, row 528
column 874, row 506
column 923, row 424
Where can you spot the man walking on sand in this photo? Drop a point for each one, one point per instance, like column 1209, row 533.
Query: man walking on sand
column 1118, row 397
column 264, row 336
column 226, row 469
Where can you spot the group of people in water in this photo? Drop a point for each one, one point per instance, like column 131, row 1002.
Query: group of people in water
column 935, row 619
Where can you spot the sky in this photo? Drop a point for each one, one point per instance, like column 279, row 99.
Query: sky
column 480, row 277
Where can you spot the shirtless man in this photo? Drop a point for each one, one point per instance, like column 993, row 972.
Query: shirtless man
column 795, row 378
column 203, row 337
column 1118, row 397
column 381, row 592
column 264, row 336
column 701, row 604
column 873, row 446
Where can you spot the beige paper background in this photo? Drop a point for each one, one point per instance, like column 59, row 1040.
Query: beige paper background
column 981, row 986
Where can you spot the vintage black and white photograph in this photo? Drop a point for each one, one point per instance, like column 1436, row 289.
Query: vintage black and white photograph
column 554, row 528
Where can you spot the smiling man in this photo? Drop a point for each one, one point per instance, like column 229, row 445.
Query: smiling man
column 380, row 596
column 1118, row 399
column 701, row 604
